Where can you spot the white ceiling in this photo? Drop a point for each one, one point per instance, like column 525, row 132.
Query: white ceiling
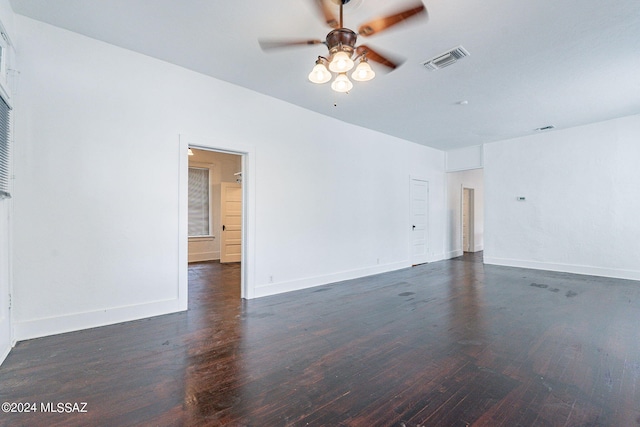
column 533, row 63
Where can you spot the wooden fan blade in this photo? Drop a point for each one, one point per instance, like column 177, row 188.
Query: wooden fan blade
column 380, row 24
column 377, row 57
column 327, row 14
column 279, row 44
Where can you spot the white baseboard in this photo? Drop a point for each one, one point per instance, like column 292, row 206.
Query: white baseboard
column 204, row 256
column 309, row 282
column 454, row 254
column 459, row 252
column 74, row 322
column 3, row 355
column 37, row 328
column 565, row 268
column 435, row 257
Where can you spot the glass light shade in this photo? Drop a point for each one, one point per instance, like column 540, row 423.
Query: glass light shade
column 189, row 152
column 363, row 72
column 319, row 74
column 341, row 62
column 342, row 83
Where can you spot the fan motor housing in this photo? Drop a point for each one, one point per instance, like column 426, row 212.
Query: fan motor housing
column 341, row 39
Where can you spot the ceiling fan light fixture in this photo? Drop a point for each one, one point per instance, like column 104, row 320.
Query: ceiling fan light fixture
column 341, row 62
column 363, row 72
column 342, row 83
column 319, row 74
column 342, row 43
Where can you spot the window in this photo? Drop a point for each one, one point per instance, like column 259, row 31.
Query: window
column 4, row 148
column 5, row 115
column 199, row 223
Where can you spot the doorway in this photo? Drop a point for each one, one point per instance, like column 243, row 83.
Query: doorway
column 215, row 206
column 241, row 172
column 468, row 219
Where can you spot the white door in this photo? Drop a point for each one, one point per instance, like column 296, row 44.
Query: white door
column 231, row 219
column 419, row 209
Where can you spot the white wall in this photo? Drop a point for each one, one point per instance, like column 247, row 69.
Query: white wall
column 465, row 158
column 97, row 226
column 456, row 181
column 581, row 210
column 6, row 19
column 349, row 207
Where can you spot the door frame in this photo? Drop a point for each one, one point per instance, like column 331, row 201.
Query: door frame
column 247, row 269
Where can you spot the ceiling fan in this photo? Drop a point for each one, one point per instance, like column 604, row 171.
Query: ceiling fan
column 343, row 50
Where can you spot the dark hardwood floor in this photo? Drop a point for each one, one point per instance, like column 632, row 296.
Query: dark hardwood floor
column 452, row 343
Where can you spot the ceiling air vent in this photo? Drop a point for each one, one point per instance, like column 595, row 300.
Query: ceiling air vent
column 446, row 59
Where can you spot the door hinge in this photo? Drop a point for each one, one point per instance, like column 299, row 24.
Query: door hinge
column 10, row 302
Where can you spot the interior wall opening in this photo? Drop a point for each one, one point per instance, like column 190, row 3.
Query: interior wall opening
column 215, row 217
column 468, row 219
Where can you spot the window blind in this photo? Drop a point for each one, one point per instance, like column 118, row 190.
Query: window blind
column 198, row 202
column 5, row 138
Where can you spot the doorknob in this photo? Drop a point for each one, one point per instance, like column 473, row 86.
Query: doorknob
column 413, row 227
column 223, row 227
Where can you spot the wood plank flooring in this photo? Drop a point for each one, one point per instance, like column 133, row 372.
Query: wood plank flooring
column 452, row 343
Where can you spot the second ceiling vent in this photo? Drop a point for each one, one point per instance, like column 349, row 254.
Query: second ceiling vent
column 446, row 59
